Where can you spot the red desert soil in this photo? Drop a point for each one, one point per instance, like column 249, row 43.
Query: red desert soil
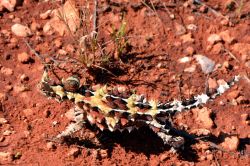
column 159, row 34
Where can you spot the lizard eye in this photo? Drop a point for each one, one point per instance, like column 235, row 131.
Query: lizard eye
column 72, row 84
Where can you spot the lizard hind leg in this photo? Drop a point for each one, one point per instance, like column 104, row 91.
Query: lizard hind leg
column 176, row 142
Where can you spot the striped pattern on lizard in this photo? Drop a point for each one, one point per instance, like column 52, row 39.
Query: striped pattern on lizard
column 99, row 107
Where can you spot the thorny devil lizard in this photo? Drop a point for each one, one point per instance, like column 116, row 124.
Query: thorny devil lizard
column 99, row 107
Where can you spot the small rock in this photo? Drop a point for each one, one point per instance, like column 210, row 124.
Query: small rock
column 50, row 146
column 225, row 22
column 180, row 29
column 21, row 30
column 58, row 43
column 242, row 100
column 190, row 50
column 103, row 153
column 192, row 27
column 231, row 143
column 214, row 38
column 7, row 71
column 190, row 69
column 202, row 158
column 210, row 157
column 8, row 4
column 203, row 9
column 74, row 152
column 187, row 38
column 207, row 65
column 184, row 59
column 212, row 84
column 226, row 37
column 203, row 117
column 70, row 48
column 46, row 14
column 217, row 48
column 24, row 78
column 244, row 117
column 21, row 88
column 200, row 132
column 28, row 112
column 8, row 88
column 5, row 156
column 247, row 64
column 233, row 94
column 191, row 18
column 202, row 146
column 35, row 26
column 164, row 157
column 2, row 138
column 3, row 97
column 62, row 52
column 70, row 114
column 23, row 57
column 46, row 113
column 3, row 121
column 8, row 132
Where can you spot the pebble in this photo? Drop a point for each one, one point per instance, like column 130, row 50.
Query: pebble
column 190, row 50
column 3, row 121
column 244, row 117
column 231, row 143
column 164, row 157
column 21, row 88
column 9, row 5
column 210, row 157
column 184, row 59
column 190, row 69
column 212, row 84
column 46, row 113
column 8, row 88
column 103, row 153
column 24, row 78
column 58, row 43
column 23, row 57
column 233, row 94
column 203, row 117
column 74, row 152
column 214, row 38
column 8, row 132
column 3, row 97
column 180, row 29
column 21, row 30
column 187, row 38
column 200, row 132
column 192, row 27
column 203, row 9
column 242, row 100
column 50, row 146
column 226, row 37
column 46, row 14
column 207, row 64
column 28, row 112
column 7, row 71
column 5, row 156
column 191, row 18
column 247, row 64
column 225, row 22
column 217, row 48
column 35, row 26
column 70, row 114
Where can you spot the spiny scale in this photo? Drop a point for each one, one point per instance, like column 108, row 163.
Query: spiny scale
column 116, row 113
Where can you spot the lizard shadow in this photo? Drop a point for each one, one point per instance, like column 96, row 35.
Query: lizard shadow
column 141, row 141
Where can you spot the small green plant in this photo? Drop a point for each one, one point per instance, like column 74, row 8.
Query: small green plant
column 119, row 37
